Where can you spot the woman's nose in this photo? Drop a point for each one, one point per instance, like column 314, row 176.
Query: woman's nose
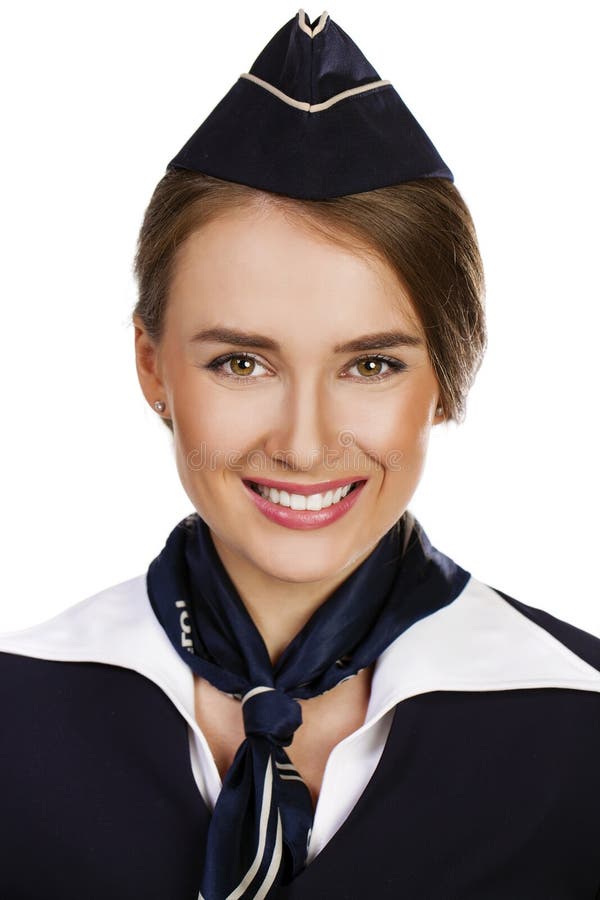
column 303, row 428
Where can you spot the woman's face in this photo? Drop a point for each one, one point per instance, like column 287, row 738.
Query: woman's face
column 303, row 398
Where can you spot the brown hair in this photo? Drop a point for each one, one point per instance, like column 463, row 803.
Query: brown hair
column 422, row 228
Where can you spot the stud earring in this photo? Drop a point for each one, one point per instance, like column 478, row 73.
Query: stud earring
column 159, row 405
column 440, row 410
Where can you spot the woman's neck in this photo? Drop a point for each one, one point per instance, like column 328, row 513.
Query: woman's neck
column 279, row 609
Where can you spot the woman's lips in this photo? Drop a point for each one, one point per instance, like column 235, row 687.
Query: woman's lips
column 305, row 489
column 304, row 518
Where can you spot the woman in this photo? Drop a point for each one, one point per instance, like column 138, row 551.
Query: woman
column 301, row 697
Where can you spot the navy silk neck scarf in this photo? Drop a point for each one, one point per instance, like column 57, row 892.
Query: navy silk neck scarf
column 261, row 823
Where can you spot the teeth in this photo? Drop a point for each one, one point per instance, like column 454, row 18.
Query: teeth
column 301, row 501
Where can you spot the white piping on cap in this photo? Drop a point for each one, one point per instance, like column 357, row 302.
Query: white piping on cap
column 316, row 107
column 304, row 23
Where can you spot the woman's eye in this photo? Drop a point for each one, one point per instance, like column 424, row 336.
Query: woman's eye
column 242, row 366
column 370, row 367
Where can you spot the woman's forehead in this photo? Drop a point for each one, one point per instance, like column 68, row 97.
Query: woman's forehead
column 276, row 270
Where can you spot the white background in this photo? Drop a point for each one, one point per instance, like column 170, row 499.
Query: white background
column 98, row 97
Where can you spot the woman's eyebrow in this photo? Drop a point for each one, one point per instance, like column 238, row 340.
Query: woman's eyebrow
column 377, row 341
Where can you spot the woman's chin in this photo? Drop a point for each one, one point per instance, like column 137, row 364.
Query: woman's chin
column 320, row 559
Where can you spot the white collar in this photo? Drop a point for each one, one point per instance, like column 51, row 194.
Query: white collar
column 115, row 626
column 478, row 642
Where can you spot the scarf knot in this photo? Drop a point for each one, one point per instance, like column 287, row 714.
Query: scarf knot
column 271, row 713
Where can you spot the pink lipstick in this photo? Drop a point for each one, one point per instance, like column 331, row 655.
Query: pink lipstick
column 304, row 518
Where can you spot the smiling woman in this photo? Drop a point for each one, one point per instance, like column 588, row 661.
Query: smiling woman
column 320, row 413
column 301, row 697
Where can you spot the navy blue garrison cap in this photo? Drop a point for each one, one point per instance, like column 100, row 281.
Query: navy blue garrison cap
column 312, row 119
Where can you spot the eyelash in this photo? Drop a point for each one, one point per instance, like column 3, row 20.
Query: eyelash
column 395, row 365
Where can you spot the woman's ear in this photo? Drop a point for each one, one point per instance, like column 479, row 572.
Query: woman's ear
column 439, row 414
column 148, row 364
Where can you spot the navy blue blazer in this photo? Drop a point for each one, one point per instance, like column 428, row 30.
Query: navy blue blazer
column 488, row 785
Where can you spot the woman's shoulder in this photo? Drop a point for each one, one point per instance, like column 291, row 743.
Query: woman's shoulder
column 94, row 615
column 584, row 644
column 486, row 640
column 107, row 648
column 504, row 634
column 104, row 627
